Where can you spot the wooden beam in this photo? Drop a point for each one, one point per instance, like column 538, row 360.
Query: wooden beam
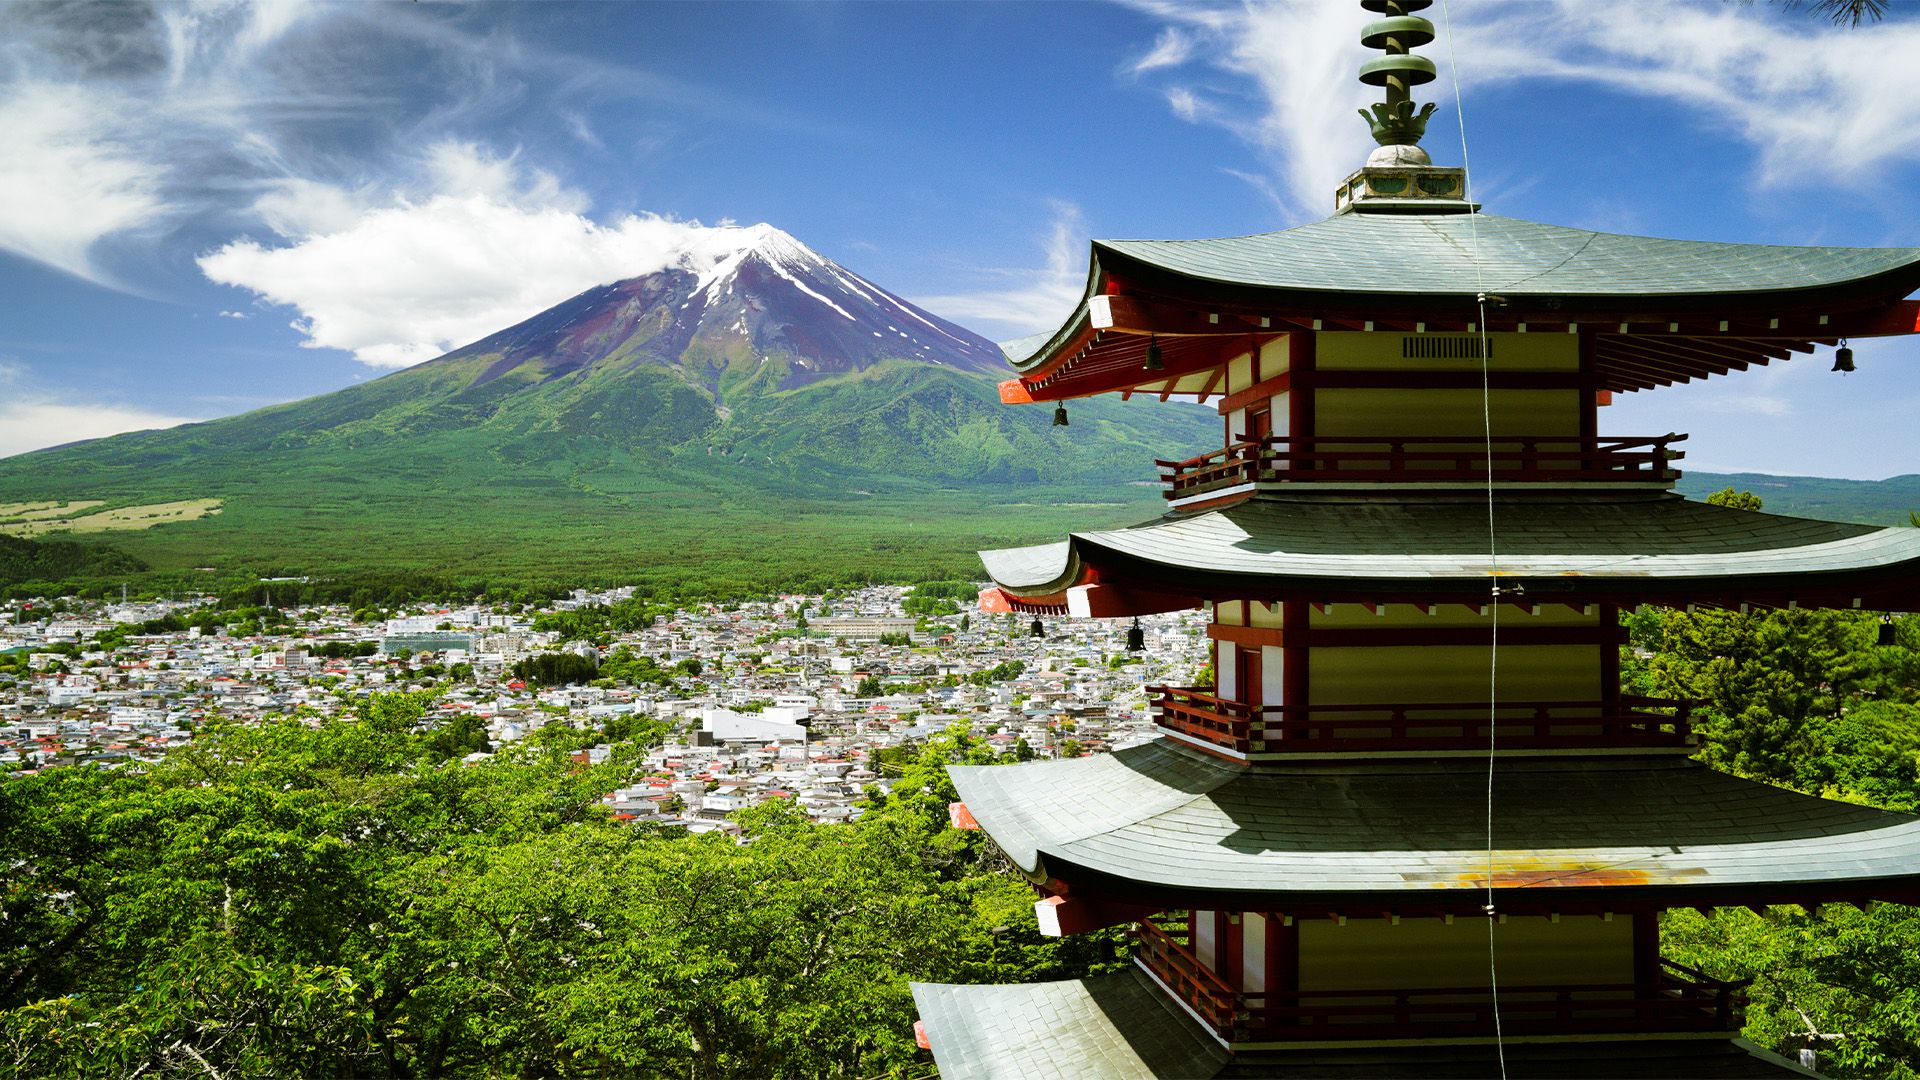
column 1266, row 388
column 1139, row 315
column 1448, row 380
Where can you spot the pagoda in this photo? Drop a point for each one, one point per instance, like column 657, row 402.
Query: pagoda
column 1414, row 828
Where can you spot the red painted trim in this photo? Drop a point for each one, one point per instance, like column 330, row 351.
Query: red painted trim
column 1119, row 602
column 1303, row 348
column 1283, row 954
column 1230, row 948
column 1015, row 392
column 1293, row 663
column 1589, row 405
column 997, row 601
column 1273, row 387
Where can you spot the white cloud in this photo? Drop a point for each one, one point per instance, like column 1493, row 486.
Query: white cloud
column 1033, row 298
column 66, row 180
column 464, row 168
column 1817, row 104
column 403, row 282
column 297, row 207
column 1301, row 57
column 37, row 423
column 233, row 314
column 123, row 120
column 1185, row 104
column 1170, row 49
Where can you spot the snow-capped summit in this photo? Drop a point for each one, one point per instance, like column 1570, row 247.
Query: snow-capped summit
column 736, row 293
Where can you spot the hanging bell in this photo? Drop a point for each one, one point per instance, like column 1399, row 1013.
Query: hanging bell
column 1037, row 630
column 1136, row 637
column 1155, row 360
column 1843, row 358
column 1059, row 416
column 1887, row 636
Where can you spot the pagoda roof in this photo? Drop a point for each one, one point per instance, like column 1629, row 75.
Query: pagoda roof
column 1691, row 308
column 1122, row 1025
column 1118, row 1025
column 1627, row 544
column 1165, row 823
column 1398, row 255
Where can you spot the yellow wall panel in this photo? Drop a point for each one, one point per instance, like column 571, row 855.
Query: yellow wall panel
column 1369, row 954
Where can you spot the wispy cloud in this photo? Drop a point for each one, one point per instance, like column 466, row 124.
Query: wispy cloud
column 1026, row 300
column 1816, row 104
column 1171, row 49
column 1297, row 58
column 1819, row 104
column 121, row 119
column 68, row 179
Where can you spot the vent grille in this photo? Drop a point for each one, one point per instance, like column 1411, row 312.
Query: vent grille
column 1428, row 347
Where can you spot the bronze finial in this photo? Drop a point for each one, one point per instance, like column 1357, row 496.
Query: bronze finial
column 1395, row 121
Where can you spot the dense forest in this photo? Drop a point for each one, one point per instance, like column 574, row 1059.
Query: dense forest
column 347, row 900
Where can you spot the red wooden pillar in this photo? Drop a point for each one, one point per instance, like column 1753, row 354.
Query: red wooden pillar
column 1293, row 664
column 1300, row 366
column 1589, row 398
column 1229, row 950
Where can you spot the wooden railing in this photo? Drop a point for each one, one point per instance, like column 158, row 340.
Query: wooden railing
column 1172, row 961
column 1423, row 459
column 1529, row 725
column 1682, row 999
column 1196, row 711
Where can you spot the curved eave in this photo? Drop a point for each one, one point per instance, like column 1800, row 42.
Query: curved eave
column 1099, row 1028
column 1847, row 294
column 1450, row 256
column 1637, row 548
column 1692, row 315
column 1166, row 825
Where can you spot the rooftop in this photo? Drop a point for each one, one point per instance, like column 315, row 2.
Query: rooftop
column 1164, row 823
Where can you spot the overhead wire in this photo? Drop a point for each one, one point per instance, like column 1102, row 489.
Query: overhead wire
column 1493, row 536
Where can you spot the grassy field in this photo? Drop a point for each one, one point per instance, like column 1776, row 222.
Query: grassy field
column 80, row 517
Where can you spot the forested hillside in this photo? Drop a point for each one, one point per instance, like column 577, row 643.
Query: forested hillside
column 351, row 901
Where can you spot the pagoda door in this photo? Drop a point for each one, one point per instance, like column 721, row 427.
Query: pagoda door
column 1247, row 662
column 1259, row 421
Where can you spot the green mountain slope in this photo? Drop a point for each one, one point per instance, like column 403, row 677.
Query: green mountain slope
column 663, row 430
column 1874, row 502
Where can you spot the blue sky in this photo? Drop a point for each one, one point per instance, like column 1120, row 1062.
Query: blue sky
column 207, row 208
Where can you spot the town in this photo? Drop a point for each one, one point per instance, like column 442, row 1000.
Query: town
column 800, row 697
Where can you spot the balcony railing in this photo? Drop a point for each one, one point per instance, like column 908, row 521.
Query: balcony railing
column 1198, row 713
column 1681, row 1000
column 1423, row 459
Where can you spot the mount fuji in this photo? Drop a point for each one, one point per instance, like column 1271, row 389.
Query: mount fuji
column 748, row 387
